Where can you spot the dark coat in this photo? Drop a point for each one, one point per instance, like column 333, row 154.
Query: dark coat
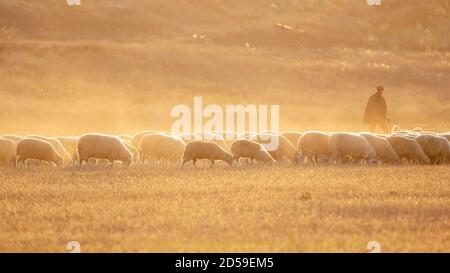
column 376, row 110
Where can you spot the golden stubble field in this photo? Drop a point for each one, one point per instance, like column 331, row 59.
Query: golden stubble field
column 263, row 209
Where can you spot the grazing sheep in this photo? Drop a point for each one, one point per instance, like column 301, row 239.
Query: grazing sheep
column 71, row 146
column 211, row 137
column 159, row 147
column 284, row 150
column 382, row 147
column 14, row 138
column 314, row 145
column 435, row 147
column 59, row 148
column 351, row 145
column 408, row 148
column 136, row 139
column 292, row 136
column 7, row 152
column 205, row 150
column 101, row 146
column 244, row 148
column 33, row 148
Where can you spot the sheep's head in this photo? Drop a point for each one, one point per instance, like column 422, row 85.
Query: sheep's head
column 229, row 159
column 297, row 158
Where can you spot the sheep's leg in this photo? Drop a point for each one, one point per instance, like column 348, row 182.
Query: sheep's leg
column 211, row 161
column 19, row 161
column 194, row 161
column 185, row 160
column 236, row 159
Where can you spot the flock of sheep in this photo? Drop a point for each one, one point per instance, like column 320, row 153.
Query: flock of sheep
column 312, row 147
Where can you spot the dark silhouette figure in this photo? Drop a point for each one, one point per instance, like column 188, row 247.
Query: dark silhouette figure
column 376, row 111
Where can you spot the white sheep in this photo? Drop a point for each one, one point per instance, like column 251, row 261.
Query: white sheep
column 435, row 147
column 14, row 138
column 160, row 147
column 136, row 139
column 314, row 146
column 102, row 146
column 59, row 148
column 284, row 149
column 408, row 148
column 244, row 148
column 198, row 150
column 351, row 145
column 33, row 148
column 211, row 137
column 7, row 152
column 292, row 136
column 382, row 147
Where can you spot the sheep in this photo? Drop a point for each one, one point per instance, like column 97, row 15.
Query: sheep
column 70, row 144
column 446, row 135
column 435, row 147
column 101, row 146
column 7, row 152
column 408, row 148
column 352, row 145
column 33, row 148
column 313, row 145
column 211, row 137
column 205, row 150
column 250, row 149
column 292, row 136
column 136, row 139
column 59, row 148
column 14, row 138
column 284, row 150
column 161, row 147
column 382, row 148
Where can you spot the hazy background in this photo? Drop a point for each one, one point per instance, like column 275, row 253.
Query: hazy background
column 120, row 66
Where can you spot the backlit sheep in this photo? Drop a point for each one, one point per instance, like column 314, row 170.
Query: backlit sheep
column 59, row 148
column 244, row 148
column 352, row 145
column 161, row 147
column 292, row 136
column 101, row 146
column 7, row 152
column 382, row 147
column 33, row 148
column 284, row 148
column 409, row 149
column 435, row 147
column 314, row 146
column 198, row 150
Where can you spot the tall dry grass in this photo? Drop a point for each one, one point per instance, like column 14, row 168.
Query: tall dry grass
column 255, row 209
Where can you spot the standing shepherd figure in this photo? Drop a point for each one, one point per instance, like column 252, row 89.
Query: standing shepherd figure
column 376, row 111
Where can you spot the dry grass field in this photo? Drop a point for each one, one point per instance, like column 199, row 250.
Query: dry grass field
column 120, row 66
column 262, row 209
